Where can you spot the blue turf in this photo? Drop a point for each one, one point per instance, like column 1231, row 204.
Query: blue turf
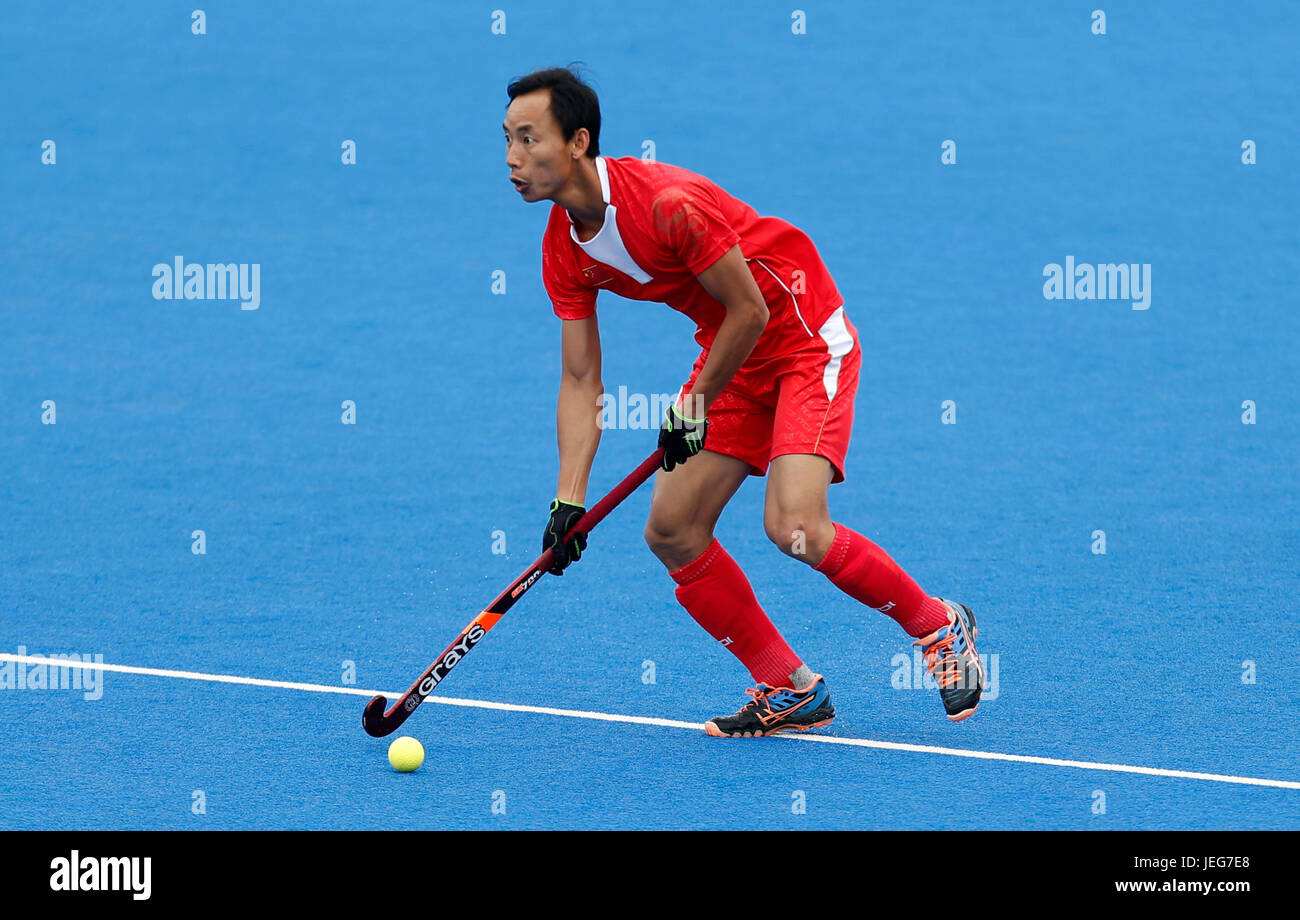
column 372, row 543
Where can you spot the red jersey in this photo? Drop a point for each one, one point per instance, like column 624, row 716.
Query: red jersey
column 663, row 226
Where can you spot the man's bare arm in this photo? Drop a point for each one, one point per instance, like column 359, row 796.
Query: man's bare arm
column 728, row 281
column 577, row 414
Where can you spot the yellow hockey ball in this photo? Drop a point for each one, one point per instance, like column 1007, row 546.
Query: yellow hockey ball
column 406, row 754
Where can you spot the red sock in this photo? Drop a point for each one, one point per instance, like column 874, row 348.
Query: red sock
column 864, row 572
column 716, row 593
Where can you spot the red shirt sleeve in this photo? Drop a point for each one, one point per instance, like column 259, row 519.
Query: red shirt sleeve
column 570, row 298
column 690, row 222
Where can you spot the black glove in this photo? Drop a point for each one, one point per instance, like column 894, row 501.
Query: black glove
column 563, row 516
column 681, row 437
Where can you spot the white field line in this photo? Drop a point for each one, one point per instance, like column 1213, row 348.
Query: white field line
column 663, row 723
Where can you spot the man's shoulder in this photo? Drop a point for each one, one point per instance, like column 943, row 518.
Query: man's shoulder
column 555, row 238
column 655, row 178
column 558, row 256
column 664, row 194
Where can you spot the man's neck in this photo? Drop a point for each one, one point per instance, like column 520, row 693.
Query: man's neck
column 582, row 197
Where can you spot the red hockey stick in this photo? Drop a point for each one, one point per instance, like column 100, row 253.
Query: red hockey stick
column 377, row 722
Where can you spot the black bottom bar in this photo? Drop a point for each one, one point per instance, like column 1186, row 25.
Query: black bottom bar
column 310, row 869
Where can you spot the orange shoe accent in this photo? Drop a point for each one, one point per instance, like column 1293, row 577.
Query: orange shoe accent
column 937, row 655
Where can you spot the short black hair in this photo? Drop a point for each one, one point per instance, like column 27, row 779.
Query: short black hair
column 573, row 103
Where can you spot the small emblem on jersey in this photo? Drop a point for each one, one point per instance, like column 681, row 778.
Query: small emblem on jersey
column 596, row 275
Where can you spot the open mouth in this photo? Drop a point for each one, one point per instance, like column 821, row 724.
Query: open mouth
column 519, row 184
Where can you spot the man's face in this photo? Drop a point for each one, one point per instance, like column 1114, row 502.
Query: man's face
column 540, row 160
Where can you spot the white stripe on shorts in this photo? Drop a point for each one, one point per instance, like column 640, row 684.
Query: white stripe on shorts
column 839, row 343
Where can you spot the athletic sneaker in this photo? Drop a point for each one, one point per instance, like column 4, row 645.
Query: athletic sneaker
column 777, row 709
column 951, row 657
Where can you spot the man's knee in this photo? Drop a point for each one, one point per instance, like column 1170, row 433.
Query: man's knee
column 676, row 543
column 784, row 529
column 801, row 535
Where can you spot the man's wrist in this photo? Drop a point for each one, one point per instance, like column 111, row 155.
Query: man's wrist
column 692, row 407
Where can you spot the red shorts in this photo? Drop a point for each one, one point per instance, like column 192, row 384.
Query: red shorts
column 797, row 402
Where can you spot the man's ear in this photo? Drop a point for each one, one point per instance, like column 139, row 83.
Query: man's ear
column 581, row 141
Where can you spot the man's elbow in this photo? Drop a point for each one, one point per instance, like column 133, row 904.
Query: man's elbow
column 586, row 379
column 756, row 314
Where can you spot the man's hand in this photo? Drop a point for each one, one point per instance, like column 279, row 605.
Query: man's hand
column 563, row 516
column 681, row 437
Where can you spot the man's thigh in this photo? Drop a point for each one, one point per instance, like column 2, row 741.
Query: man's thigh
column 694, row 494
